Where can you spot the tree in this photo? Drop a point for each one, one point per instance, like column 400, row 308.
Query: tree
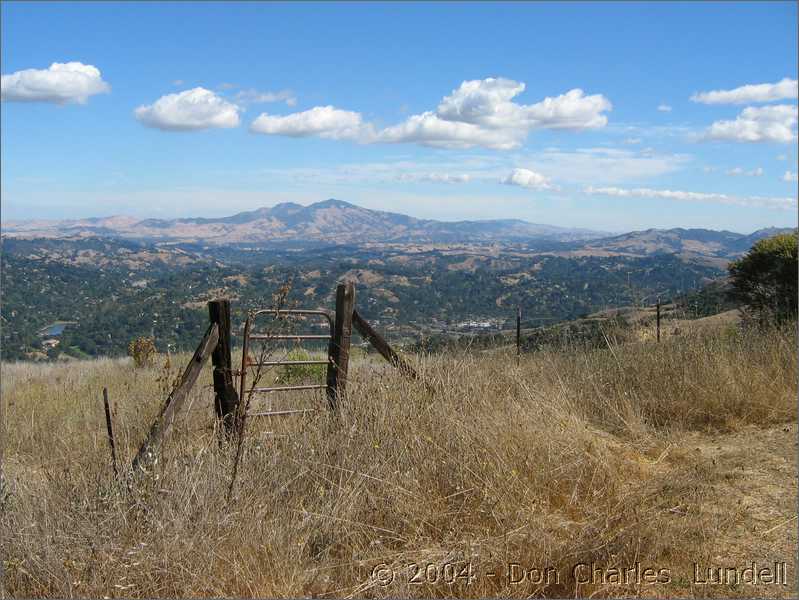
column 765, row 279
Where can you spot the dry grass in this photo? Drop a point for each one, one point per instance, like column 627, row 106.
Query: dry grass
column 569, row 458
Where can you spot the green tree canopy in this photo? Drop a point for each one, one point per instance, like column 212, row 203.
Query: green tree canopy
column 765, row 279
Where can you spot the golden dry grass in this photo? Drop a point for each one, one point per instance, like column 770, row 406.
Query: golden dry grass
column 605, row 456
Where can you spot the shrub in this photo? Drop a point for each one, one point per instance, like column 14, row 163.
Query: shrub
column 765, row 279
column 143, row 351
column 295, row 374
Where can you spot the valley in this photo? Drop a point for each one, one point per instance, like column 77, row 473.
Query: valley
column 442, row 281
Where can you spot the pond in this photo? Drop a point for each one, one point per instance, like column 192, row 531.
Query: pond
column 54, row 329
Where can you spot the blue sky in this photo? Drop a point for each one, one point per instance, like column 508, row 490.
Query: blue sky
column 586, row 115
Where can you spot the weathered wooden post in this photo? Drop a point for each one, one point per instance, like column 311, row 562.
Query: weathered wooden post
column 227, row 399
column 110, row 428
column 658, row 319
column 339, row 350
column 518, row 334
column 175, row 400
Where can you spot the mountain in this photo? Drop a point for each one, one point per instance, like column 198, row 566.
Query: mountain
column 335, row 222
column 330, row 221
column 708, row 246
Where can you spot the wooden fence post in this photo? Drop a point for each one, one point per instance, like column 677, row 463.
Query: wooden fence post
column 658, row 319
column 227, row 399
column 110, row 428
column 339, row 350
column 175, row 400
column 518, row 334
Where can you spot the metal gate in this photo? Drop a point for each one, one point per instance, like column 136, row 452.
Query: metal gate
column 247, row 363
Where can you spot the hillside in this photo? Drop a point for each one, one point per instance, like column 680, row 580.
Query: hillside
column 637, row 454
column 710, row 247
column 116, row 279
column 330, row 221
column 116, row 290
column 339, row 222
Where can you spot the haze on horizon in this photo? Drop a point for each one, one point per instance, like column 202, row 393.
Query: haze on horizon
column 571, row 115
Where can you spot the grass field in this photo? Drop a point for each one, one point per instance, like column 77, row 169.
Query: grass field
column 576, row 462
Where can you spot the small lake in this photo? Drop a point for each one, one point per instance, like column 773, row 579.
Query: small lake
column 54, row 329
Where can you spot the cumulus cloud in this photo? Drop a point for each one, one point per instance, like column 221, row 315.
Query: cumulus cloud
column 789, row 176
column 61, row 83
column 738, row 171
column 322, row 121
column 256, row 97
column 664, row 108
column 478, row 113
column 488, row 103
column 786, row 89
column 757, row 124
column 748, row 201
column 435, row 177
column 428, row 129
column 191, row 110
column 528, row 179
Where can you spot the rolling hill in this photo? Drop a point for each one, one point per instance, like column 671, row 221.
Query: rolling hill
column 330, row 221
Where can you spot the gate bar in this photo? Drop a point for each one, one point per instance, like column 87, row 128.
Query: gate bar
column 266, row 390
column 289, row 337
column 273, row 363
column 277, row 363
column 280, row 413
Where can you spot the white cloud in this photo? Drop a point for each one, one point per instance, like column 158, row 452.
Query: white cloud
column 603, row 165
column 435, row 177
column 789, row 176
column 61, row 83
column 787, row 89
column 757, row 124
column 481, row 113
column 528, row 179
column 428, row 129
column 323, row 121
column 256, row 97
column 572, row 110
column 737, row 171
column 193, row 109
column 664, row 108
column 748, row 201
column 478, row 113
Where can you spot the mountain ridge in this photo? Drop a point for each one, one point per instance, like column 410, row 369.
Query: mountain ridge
column 338, row 222
column 330, row 220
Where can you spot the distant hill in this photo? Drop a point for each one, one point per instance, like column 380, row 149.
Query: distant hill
column 711, row 247
column 335, row 222
column 330, row 221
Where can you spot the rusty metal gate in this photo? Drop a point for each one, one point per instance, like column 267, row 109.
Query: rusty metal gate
column 247, row 363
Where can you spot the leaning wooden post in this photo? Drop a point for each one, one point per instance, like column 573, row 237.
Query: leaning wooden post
column 226, row 398
column 518, row 334
column 658, row 319
column 175, row 400
column 110, row 428
column 339, row 351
